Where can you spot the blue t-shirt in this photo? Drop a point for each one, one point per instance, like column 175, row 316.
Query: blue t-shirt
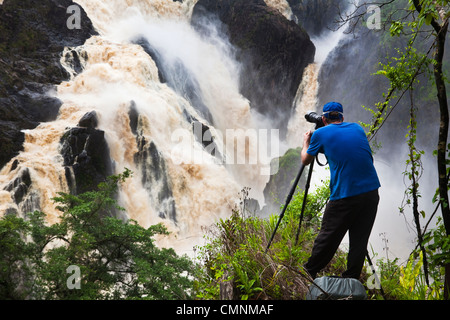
column 350, row 158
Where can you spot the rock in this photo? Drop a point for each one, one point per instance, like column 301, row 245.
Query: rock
column 177, row 76
column 316, row 16
column 33, row 35
column 26, row 199
column 154, row 178
column 86, row 158
column 152, row 167
column 11, row 140
column 273, row 52
column 203, row 135
column 89, row 120
column 20, row 186
column 133, row 115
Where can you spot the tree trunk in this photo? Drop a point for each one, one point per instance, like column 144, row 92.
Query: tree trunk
column 442, row 144
column 443, row 127
column 441, row 34
column 227, row 291
column 447, row 281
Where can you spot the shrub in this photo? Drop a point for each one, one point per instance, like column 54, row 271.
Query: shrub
column 234, row 256
column 116, row 259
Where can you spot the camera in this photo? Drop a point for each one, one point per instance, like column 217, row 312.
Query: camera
column 313, row 117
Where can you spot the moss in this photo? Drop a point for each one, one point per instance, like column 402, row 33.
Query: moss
column 290, row 158
column 281, row 182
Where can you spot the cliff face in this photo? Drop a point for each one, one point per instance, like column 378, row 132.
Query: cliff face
column 316, row 16
column 273, row 52
column 33, row 35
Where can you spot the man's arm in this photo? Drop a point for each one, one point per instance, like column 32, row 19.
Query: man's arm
column 306, row 158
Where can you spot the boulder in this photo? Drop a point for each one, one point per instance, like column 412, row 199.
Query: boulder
column 86, row 158
column 89, row 120
column 203, row 135
column 19, row 186
column 22, row 193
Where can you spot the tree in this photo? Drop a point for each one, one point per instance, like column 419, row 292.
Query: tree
column 89, row 254
column 14, row 253
column 428, row 19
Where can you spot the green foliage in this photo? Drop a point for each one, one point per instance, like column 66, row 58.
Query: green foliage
column 280, row 182
column 411, row 59
column 402, row 72
column 412, row 282
column 437, row 243
column 423, row 25
column 235, row 253
column 117, row 259
column 14, row 254
column 408, row 282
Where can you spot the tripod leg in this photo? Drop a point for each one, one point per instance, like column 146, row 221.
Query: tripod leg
column 288, row 199
column 308, row 181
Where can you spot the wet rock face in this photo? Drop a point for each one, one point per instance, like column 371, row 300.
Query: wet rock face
column 89, row 120
column 154, row 178
column 316, row 16
column 86, row 155
column 23, row 195
column 153, row 169
column 176, row 75
column 273, row 51
column 19, row 187
column 32, row 36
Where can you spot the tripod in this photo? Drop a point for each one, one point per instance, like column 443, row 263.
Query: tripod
column 289, row 198
column 319, row 123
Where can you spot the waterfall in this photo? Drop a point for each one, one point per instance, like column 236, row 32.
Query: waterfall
column 306, row 97
column 282, row 6
column 165, row 103
column 305, row 100
column 159, row 90
column 117, row 72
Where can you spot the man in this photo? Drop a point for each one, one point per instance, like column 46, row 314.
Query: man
column 354, row 190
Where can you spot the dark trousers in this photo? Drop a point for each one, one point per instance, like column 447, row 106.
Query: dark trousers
column 353, row 214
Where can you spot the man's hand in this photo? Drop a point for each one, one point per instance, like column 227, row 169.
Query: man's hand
column 306, row 158
column 307, row 139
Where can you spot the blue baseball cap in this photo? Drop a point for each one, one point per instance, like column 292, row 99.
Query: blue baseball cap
column 333, row 107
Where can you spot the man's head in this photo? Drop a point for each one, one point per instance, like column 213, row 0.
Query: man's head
column 332, row 113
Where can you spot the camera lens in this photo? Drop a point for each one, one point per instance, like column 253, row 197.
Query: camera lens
column 313, row 117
